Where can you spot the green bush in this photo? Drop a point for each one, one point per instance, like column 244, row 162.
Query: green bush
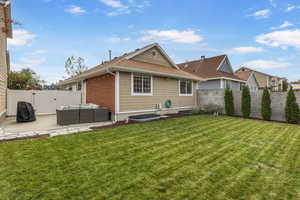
column 291, row 108
column 266, row 110
column 229, row 105
column 246, row 102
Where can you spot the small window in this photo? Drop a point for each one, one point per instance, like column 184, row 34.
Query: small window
column 153, row 53
column 142, row 84
column 185, row 88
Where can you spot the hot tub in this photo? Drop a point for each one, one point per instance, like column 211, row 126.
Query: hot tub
column 144, row 118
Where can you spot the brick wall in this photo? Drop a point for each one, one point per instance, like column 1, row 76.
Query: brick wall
column 100, row 90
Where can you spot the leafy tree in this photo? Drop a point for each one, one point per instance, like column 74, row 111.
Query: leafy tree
column 75, row 66
column 246, row 102
column 266, row 110
column 25, row 79
column 229, row 104
column 291, row 108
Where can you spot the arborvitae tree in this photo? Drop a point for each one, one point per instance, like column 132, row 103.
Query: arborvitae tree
column 285, row 86
column 229, row 105
column 291, row 108
column 246, row 102
column 266, row 110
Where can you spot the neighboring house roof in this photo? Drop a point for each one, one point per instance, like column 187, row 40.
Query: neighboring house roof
column 208, row 68
column 244, row 75
column 241, row 69
column 126, row 64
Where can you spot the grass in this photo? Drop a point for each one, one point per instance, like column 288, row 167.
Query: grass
column 198, row 157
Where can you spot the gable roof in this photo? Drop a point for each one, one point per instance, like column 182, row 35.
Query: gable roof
column 241, row 69
column 125, row 63
column 208, row 68
column 244, row 75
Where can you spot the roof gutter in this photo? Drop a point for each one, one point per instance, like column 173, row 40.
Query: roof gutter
column 124, row 69
column 129, row 69
column 226, row 78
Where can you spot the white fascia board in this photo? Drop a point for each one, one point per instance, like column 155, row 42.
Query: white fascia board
column 226, row 78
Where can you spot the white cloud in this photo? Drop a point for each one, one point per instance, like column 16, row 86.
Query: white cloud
column 113, row 3
column 290, row 8
column 28, row 62
column 75, row 10
column 266, row 64
column 245, row 50
column 284, row 25
column 176, row 36
column 119, row 8
column 282, row 39
column 119, row 39
column 261, row 13
column 37, row 52
column 32, row 61
column 21, row 38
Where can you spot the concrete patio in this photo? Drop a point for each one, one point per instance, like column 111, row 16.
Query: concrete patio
column 44, row 125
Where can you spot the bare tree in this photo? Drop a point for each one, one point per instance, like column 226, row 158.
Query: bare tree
column 75, row 66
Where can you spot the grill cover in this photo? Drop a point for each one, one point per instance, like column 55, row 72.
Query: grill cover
column 25, row 112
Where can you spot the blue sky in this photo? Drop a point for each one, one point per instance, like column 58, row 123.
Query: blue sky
column 262, row 34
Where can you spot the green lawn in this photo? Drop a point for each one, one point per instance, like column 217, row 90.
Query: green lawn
column 197, row 157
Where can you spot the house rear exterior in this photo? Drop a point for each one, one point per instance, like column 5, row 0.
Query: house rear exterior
column 141, row 82
column 5, row 32
column 217, row 72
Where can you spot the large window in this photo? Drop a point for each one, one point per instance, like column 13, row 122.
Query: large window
column 141, row 84
column 185, row 88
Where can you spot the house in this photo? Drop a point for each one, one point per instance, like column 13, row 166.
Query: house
column 250, row 79
column 217, row 71
column 296, row 86
column 264, row 80
column 5, row 32
column 140, row 82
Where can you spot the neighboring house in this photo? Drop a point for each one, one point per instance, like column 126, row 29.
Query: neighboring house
column 217, row 71
column 296, row 86
column 5, row 32
column 250, row 79
column 139, row 82
column 274, row 83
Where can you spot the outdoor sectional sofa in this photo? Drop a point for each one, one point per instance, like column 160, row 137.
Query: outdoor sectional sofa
column 76, row 114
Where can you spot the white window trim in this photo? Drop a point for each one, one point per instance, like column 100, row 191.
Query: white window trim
column 140, row 94
column 185, row 95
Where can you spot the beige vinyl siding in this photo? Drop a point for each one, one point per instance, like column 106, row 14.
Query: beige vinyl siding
column 147, row 57
column 3, row 64
column 261, row 79
column 163, row 89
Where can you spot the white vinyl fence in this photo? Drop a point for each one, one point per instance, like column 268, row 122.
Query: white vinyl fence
column 44, row 102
